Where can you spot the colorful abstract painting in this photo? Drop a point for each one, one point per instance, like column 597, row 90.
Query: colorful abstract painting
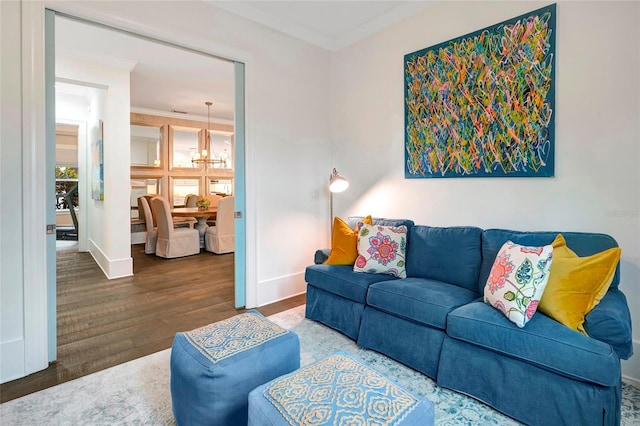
column 97, row 162
column 482, row 105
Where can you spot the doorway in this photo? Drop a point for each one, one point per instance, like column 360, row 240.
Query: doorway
column 236, row 99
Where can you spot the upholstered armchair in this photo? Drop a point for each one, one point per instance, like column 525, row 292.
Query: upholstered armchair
column 173, row 242
column 220, row 238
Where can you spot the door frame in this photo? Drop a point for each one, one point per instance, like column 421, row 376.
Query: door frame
column 34, row 179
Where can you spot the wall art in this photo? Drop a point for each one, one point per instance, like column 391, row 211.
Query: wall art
column 482, row 105
column 97, row 162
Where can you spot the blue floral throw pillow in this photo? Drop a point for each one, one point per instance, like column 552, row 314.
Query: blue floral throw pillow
column 517, row 280
column 381, row 250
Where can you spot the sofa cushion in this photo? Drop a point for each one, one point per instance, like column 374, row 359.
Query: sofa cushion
column 543, row 342
column 451, row 254
column 582, row 243
column 418, row 299
column 341, row 280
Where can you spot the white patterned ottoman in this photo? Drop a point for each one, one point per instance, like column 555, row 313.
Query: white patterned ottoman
column 213, row 368
column 339, row 390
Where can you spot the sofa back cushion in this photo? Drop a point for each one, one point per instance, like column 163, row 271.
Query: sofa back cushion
column 451, row 255
column 582, row 243
column 353, row 220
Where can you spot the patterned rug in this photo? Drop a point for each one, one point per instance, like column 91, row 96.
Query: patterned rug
column 137, row 392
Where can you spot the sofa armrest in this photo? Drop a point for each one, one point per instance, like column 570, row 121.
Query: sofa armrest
column 321, row 256
column 610, row 322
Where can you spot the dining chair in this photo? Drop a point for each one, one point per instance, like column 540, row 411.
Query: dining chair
column 220, row 238
column 152, row 233
column 190, row 200
column 177, row 221
column 173, row 242
column 214, row 199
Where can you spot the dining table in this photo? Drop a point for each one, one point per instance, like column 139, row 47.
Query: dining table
column 201, row 215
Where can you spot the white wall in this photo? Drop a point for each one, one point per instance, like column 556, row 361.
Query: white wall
column 108, row 221
column 596, row 187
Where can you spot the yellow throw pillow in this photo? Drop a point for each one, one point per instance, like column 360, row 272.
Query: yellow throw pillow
column 560, row 248
column 344, row 242
column 577, row 284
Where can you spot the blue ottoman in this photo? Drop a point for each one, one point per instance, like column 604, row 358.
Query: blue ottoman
column 335, row 391
column 213, row 368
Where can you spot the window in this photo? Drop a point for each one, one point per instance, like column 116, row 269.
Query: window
column 66, row 187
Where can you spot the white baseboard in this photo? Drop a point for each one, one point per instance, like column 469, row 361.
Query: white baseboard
column 116, row 268
column 277, row 289
column 138, row 237
column 631, row 367
column 11, row 360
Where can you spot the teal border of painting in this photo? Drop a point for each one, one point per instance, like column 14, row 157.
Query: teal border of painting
column 551, row 96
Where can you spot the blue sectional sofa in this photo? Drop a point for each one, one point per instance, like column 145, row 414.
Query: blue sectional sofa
column 435, row 321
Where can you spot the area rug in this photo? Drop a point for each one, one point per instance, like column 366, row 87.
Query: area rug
column 137, row 392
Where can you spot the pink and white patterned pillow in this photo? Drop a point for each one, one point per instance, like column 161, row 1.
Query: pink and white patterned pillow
column 381, row 250
column 517, row 280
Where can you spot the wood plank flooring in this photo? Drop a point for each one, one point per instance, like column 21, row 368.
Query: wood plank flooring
column 102, row 323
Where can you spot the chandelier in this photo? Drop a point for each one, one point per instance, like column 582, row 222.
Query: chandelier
column 203, row 158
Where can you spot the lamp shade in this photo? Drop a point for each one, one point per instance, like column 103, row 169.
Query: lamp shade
column 337, row 183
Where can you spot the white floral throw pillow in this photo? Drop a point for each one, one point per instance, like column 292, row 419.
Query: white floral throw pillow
column 517, row 280
column 381, row 250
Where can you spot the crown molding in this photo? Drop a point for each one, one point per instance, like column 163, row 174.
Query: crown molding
column 394, row 15
column 274, row 22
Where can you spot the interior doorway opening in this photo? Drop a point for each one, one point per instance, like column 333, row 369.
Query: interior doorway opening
column 146, row 101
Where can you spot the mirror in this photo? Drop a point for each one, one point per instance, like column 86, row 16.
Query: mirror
column 182, row 187
column 185, row 146
column 146, row 146
column 221, row 145
column 140, row 187
column 221, row 186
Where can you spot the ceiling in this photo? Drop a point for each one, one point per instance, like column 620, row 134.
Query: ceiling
column 171, row 80
column 163, row 78
column 330, row 24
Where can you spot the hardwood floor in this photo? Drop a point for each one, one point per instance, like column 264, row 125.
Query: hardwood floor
column 102, row 323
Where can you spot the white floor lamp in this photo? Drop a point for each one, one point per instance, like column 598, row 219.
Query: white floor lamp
column 336, row 184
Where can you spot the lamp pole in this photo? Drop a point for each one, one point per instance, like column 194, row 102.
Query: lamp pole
column 336, row 184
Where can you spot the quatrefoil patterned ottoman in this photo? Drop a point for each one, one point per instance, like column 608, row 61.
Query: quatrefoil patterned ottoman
column 339, row 390
column 213, row 368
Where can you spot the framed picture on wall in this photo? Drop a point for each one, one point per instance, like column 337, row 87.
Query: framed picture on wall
column 97, row 162
column 482, row 105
